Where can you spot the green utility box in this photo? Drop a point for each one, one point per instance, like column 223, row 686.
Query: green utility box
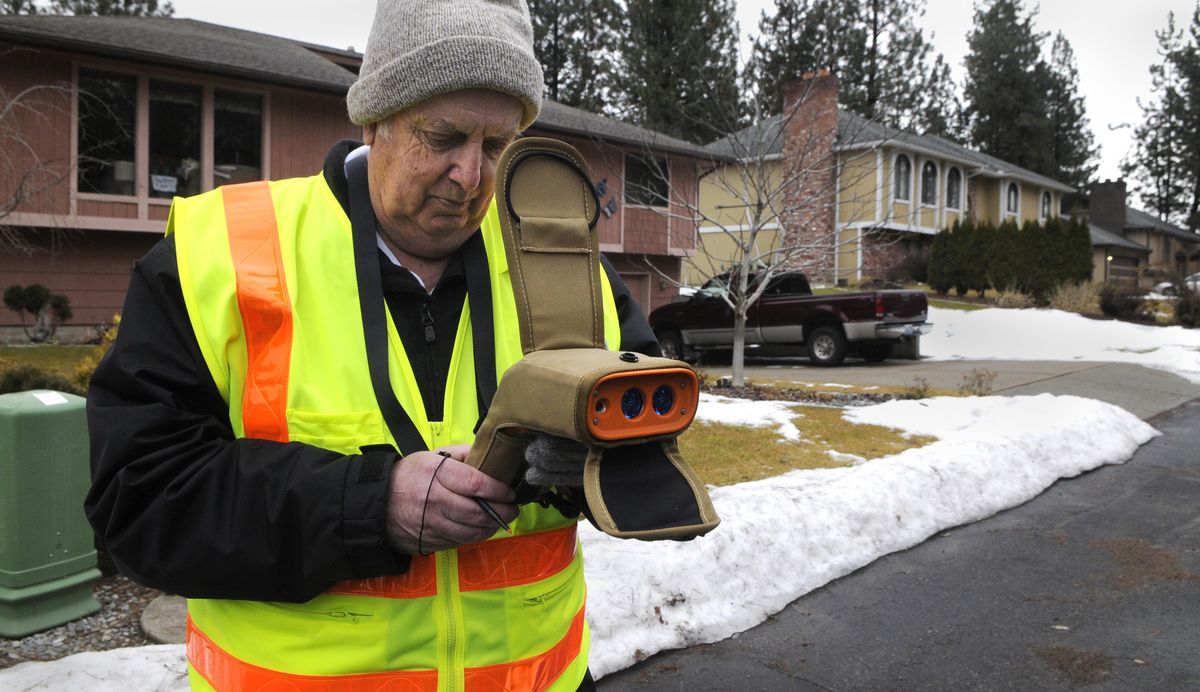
column 47, row 548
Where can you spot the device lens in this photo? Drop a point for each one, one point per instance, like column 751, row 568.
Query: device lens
column 662, row 400
column 632, row 403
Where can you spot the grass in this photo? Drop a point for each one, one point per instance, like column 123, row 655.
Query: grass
column 727, row 454
column 63, row 360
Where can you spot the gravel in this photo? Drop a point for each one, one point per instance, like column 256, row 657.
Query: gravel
column 115, row 625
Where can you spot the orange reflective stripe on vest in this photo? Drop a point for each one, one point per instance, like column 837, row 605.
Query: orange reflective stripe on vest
column 266, row 309
column 225, row 672
column 494, row 564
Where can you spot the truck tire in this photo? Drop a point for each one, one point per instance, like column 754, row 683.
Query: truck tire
column 827, row 346
column 671, row 344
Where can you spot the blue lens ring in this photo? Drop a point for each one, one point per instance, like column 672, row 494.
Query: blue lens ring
column 632, row 403
column 662, row 400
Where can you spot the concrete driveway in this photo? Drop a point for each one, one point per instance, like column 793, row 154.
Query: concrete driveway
column 1143, row 392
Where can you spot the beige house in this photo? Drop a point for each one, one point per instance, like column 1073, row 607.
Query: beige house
column 846, row 199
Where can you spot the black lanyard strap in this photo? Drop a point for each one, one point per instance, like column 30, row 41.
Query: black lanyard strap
column 374, row 315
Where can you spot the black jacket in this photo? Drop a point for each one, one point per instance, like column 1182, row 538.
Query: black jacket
column 185, row 507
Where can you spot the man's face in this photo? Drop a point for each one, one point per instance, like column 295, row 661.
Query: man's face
column 433, row 168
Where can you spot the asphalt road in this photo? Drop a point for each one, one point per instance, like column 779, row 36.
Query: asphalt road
column 1094, row 584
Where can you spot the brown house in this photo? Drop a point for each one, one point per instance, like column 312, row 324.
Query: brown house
column 120, row 114
column 1131, row 246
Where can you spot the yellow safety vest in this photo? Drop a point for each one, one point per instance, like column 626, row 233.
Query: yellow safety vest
column 267, row 273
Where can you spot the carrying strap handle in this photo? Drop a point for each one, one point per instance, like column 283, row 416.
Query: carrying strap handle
column 548, row 221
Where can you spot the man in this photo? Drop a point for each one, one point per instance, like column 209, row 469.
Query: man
column 240, row 457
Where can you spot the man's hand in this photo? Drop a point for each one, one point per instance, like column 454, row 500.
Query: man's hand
column 430, row 505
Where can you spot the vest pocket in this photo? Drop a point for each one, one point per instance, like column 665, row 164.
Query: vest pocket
column 343, row 432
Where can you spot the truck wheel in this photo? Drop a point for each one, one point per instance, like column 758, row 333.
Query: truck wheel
column 671, row 344
column 827, row 346
column 875, row 353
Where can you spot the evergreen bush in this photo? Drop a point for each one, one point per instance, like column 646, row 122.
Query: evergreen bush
column 1187, row 309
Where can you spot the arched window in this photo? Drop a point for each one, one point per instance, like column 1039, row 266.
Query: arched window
column 929, row 176
column 903, row 179
column 1011, row 205
column 1047, row 204
column 954, row 189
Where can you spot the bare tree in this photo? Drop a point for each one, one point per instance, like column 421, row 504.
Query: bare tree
column 791, row 187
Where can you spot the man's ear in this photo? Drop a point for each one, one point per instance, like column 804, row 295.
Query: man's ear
column 369, row 133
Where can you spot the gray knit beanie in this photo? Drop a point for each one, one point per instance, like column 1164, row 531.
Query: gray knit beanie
column 421, row 48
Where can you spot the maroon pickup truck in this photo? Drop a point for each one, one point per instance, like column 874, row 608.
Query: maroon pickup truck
column 788, row 318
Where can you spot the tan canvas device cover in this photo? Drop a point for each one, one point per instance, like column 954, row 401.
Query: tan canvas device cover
column 626, row 408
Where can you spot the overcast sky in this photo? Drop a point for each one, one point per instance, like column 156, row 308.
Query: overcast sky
column 1113, row 40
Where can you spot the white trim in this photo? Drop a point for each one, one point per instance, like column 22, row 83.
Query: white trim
column 773, row 226
column 1042, row 218
column 937, row 174
column 1005, row 213
column 858, row 273
column 962, row 179
column 892, row 187
column 86, row 223
column 879, row 185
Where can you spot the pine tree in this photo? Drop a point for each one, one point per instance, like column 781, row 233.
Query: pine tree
column 20, row 7
column 1187, row 62
column 123, row 8
column 1074, row 146
column 1158, row 163
column 1006, row 87
column 886, row 70
column 680, row 67
column 576, row 41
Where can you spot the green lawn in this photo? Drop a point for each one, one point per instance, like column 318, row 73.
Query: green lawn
column 60, row 359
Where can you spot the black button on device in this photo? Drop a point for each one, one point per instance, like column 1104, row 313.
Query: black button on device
column 629, row 357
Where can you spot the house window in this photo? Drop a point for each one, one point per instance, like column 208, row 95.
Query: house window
column 237, row 137
column 1012, row 199
column 1047, row 205
column 647, row 181
column 954, row 189
column 107, row 121
column 174, row 139
column 929, row 176
column 902, row 187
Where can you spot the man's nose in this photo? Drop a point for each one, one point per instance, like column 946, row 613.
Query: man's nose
column 465, row 170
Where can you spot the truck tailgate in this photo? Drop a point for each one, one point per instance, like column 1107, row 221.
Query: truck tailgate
column 904, row 306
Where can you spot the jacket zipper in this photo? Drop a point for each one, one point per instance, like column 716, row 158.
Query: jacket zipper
column 434, row 411
column 452, row 668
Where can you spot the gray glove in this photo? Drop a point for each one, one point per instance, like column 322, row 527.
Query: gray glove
column 555, row 461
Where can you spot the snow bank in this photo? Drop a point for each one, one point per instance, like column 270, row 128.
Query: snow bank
column 1000, row 334
column 783, row 537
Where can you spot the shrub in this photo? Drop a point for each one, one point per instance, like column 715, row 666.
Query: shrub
column 83, row 373
column 47, row 309
column 1187, row 309
column 919, row 389
column 1079, row 298
column 914, row 268
column 23, row 378
column 1012, row 298
column 1123, row 303
column 976, row 382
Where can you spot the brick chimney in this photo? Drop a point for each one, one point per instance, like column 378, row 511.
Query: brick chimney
column 810, row 112
column 1106, row 205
